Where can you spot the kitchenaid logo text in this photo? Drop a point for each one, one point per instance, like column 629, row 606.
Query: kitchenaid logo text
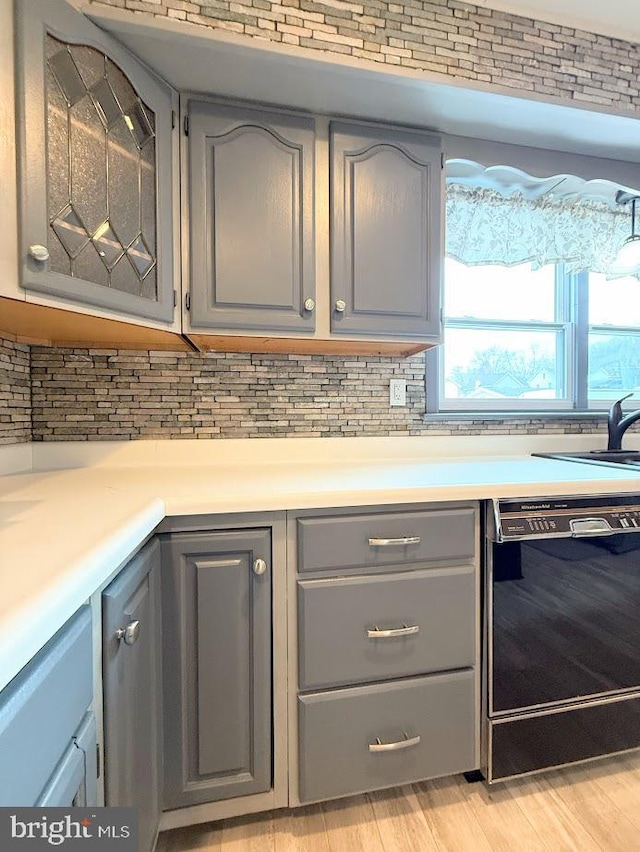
column 70, row 828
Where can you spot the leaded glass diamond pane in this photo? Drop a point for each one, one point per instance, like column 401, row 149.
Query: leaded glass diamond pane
column 68, row 76
column 124, row 164
column 71, row 231
column 124, row 278
column 89, row 266
column 52, row 46
column 140, row 256
column 90, row 63
column 150, row 285
column 124, row 91
column 88, row 167
column 139, row 125
column 107, row 245
column 59, row 260
column 108, row 107
column 57, row 148
column 148, row 194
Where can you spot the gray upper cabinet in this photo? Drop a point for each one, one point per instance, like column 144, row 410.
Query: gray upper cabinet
column 95, row 142
column 132, row 691
column 386, row 231
column 216, row 590
column 251, row 219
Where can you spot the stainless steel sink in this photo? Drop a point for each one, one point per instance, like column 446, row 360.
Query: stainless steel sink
column 608, row 457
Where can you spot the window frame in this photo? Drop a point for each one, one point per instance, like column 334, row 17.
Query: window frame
column 572, row 321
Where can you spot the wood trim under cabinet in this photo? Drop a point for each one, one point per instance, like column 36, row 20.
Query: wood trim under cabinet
column 38, row 325
column 303, row 346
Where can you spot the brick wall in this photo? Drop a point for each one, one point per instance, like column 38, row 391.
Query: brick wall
column 445, row 36
column 111, row 395
column 15, row 393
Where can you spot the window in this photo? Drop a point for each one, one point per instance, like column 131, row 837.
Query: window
column 518, row 339
column 500, row 349
column 533, row 320
column 613, row 339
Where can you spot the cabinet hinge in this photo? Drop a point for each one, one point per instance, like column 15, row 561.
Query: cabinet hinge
column 187, row 301
column 173, row 119
column 186, row 125
column 97, row 760
column 442, row 159
column 175, row 298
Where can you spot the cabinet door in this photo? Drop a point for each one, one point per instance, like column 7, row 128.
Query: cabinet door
column 41, row 709
column 132, row 689
column 251, row 219
column 386, row 231
column 217, row 652
column 95, row 139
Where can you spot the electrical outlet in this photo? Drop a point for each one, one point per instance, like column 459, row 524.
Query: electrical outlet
column 398, row 392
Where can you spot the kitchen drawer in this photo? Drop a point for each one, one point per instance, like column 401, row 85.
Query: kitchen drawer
column 74, row 780
column 363, row 541
column 339, row 731
column 337, row 617
column 41, row 709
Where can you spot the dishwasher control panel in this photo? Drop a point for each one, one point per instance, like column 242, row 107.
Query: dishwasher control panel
column 565, row 517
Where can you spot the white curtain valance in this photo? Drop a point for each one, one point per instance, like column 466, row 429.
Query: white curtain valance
column 486, row 227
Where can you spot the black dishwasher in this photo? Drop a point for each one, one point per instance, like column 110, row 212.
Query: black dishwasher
column 562, row 632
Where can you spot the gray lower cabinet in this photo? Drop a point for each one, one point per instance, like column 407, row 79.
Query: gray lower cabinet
column 251, row 219
column 365, row 738
column 386, row 231
column 429, row 608
column 372, row 540
column 132, row 691
column 388, row 633
column 217, row 664
column 47, row 731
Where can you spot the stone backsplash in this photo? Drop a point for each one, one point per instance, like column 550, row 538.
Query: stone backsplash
column 82, row 395
column 110, row 395
column 15, row 393
column 457, row 39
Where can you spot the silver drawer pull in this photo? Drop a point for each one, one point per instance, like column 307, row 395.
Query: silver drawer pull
column 394, row 631
column 394, row 542
column 407, row 742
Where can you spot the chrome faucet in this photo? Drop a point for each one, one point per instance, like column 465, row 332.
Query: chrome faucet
column 617, row 424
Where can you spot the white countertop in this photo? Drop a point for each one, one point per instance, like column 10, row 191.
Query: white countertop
column 64, row 533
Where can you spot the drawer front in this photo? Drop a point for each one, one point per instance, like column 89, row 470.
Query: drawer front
column 358, row 629
column 427, row 725
column 398, row 538
column 41, row 709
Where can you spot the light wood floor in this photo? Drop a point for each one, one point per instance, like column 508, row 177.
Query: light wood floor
column 590, row 807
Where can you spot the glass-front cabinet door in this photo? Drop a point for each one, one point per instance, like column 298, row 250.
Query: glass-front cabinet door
column 95, row 141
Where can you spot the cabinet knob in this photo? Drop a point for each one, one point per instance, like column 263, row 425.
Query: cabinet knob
column 130, row 633
column 259, row 567
column 340, row 306
column 39, row 253
column 309, row 305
